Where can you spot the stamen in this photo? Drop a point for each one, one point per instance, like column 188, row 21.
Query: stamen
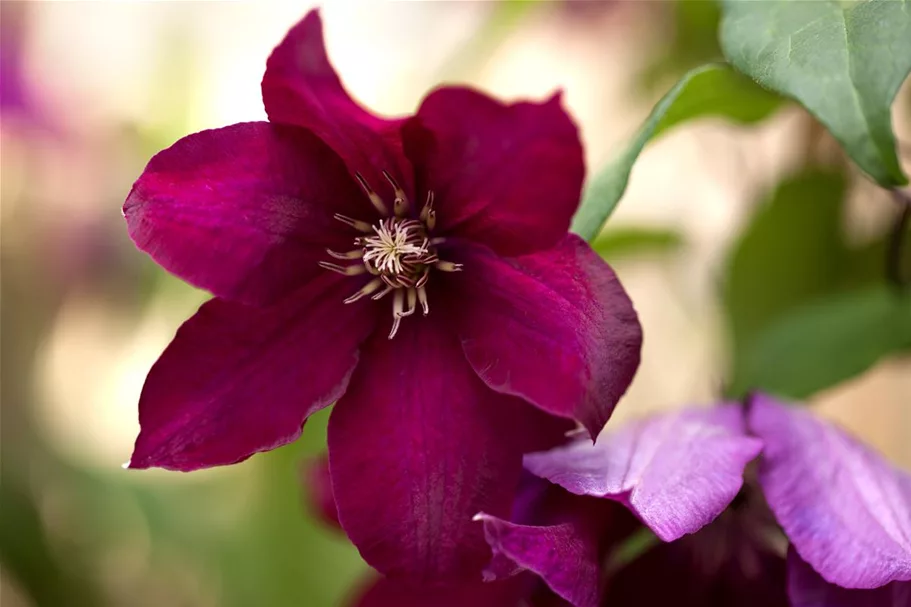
column 389, row 288
column 431, row 220
column 422, row 297
column 344, row 270
column 448, row 266
column 373, row 196
column 356, row 254
column 427, row 206
column 367, row 289
column 438, row 240
column 360, row 226
column 411, row 302
column 397, row 309
column 400, row 206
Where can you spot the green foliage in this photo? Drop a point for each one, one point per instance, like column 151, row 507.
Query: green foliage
column 630, row 241
column 792, row 279
column 711, row 90
column 844, row 61
column 693, row 41
column 826, row 342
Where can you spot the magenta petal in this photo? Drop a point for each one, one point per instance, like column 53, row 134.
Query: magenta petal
column 555, row 328
column 237, row 380
column 806, row 588
column 846, row 511
column 417, row 446
column 676, row 472
column 565, row 555
column 244, row 211
column 300, row 87
column 394, row 592
column 508, row 176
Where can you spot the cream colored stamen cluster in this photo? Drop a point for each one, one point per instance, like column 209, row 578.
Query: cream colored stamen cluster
column 398, row 251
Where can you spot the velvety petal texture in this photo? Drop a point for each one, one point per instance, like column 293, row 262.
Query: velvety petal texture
column 676, row 471
column 237, row 379
column 564, row 555
column 555, row 328
column 300, row 87
column 387, row 592
column 806, row 588
column 846, row 510
column 508, row 176
column 417, row 446
column 244, row 211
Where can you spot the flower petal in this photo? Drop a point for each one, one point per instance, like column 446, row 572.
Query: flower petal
column 806, row 588
column 237, row 380
column 318, row 491
column 564, row 555
column 395, row 592
column 243, row 211
column 300, row 87
column 846, row 511
column 508, row 176
column 417, row 446
column 555, row 328
column 676, row 472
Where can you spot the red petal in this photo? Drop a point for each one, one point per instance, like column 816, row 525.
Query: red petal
column 237, row 380
column 244, row 211
column 506, row 176
column 417, row 446
column 555, row 328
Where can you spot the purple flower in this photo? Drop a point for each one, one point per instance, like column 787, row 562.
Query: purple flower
column 418, row 271
column 845, row 515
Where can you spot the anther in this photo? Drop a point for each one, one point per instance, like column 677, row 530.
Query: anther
column 400, row 206
column 431, row 220
column 344, row 270
column 356, row 254
column 398, row 303
column 367, row 289
column 448, row 266
column 428, row 205
column 373, row 196
column 411, row 302
column 361, row 226
column 422, row 297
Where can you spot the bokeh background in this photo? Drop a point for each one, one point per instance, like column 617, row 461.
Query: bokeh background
column 714, row 216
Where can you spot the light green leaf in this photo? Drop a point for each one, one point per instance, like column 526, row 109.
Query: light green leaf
column 711, row 90
column 844, row 61
column 827, row 342
column 616, row 243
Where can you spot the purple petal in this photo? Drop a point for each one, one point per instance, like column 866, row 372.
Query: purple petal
column 395, row 592
column 676, row 472
column 318, row 491
column 417, row 446
column 300, row 87
column 237, row 380
column 846, row 510
column 508, row 176
column 564, row 555
column 806, row 588
column 244, row 211
column 555, row 328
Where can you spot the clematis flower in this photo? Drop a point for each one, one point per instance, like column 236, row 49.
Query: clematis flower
column 843, row 532
column 416, row 270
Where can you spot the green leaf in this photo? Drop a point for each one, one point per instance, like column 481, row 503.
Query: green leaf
column 711, row 90
column 827, row 342
column 844, row 61
column 791, row 252
column 629, row 241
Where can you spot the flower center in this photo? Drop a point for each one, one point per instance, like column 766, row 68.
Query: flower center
column 398, row 251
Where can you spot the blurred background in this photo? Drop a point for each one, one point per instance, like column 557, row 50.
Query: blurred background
column 723, row 230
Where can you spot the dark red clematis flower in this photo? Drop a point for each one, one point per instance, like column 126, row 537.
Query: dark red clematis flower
column 417, row 271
